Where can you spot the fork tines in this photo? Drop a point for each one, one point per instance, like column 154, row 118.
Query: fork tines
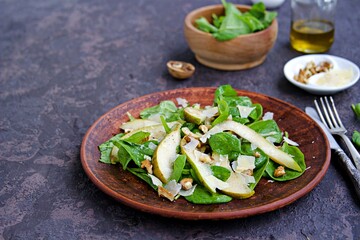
column 330, row 113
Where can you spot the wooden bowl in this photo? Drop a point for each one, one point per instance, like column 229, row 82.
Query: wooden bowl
column 243, row 52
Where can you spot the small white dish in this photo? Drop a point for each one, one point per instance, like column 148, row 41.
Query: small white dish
column 293, row 66
column 270, row 3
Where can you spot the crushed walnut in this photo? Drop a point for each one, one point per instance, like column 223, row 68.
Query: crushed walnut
column 163, row 192
column 311, row 69
column 186, row 183
column 279, row 171
column 147, row 164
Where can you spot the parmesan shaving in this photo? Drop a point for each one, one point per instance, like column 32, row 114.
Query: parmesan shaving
column 191, row 146
column 189, row 192
column 155, row 180
column 268, row 116
column 245, row 111
column 182, row 102
column 210, row 112
column 173, row 187
column 290, row 142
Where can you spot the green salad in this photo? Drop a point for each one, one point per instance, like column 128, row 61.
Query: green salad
column 206, row 154
column 234, row 23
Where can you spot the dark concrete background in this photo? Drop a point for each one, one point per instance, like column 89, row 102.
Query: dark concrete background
column 65, row 63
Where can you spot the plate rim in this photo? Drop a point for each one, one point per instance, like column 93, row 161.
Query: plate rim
column 242, row 213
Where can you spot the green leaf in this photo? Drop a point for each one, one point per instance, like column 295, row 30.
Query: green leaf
column 290, row 174
column 267, row 128
column 356, row 138
column 106, row 148
column 179, row 165
column 220, row 172
column 123, row 156
column 164, row 123
column 139, row 137
column 223, row 113
column 166, row 108
column 204, row 25
column 225, row 143
column 356, row 109
column 224, row 91
column 232, row 25
column 143, row 175
column 258, row 10
column 217, row 20
column 254, row 23
column 203, row 196
column 257, row 114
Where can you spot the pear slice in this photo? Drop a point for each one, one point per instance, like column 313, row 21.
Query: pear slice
column 238, row 188
column 202, row 170
column 165, row 154
column 156, row 131
column 194, row 115
column 247, row 133
column 136, row 124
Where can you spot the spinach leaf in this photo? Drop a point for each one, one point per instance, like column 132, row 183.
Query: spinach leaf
column 164, row 123
column 290, row 174
column 257, row 114
column 217, row 20
column 223, row 113
column 137, row 152
column 258, row 10
column 267, row 128
column 123, row 156
column 179, row 165
column 133, row 151
column 142, row 174
column 106, row 148
column 356, row 109
column 225, row 143
column 232, row 25
column 204, row 25
column 254, row 23
column 166, row 108
column 220, row 172
column 203, row 196
column 224, row 91
column 139, row 137
column 356, row 138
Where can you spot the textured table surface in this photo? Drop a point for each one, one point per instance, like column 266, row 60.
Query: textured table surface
column 65, row 63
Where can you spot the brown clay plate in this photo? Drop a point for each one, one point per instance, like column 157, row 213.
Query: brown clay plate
column 130, row 190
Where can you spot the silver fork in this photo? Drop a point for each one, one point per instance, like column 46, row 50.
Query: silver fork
column 333, row 122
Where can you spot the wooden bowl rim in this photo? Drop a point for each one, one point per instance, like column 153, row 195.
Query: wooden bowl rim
column 191, row 26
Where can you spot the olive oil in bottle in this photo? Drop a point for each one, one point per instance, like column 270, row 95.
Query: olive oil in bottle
column 311, row 36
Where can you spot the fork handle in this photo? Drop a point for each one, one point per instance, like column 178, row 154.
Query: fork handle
column 354, row 174
column 353, row 151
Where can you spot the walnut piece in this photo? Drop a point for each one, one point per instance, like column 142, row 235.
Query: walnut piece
column 311, row 69
column 147, row 164
column 279, row 171
column 180, row 70
column 186, row 183
column 163, row 192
